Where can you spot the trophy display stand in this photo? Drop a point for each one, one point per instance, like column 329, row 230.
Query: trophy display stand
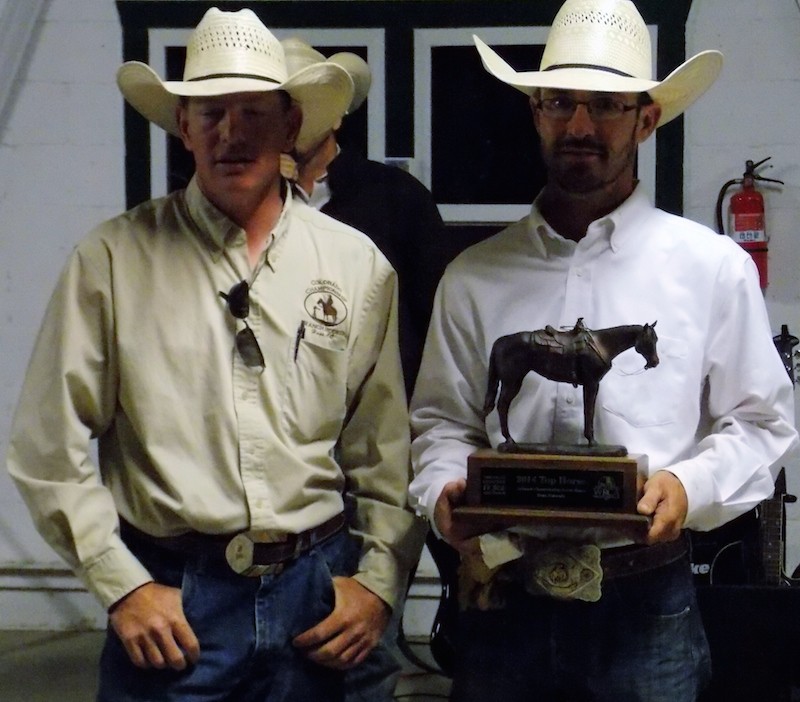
column 507, row 489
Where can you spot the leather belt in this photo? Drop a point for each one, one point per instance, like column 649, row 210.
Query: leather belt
column 251, row 553
column 632, row 560
column 256, row 553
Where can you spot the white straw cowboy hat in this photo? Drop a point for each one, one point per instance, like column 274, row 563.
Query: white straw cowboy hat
column 233, row 52
column 300, row 56
column 604, row 46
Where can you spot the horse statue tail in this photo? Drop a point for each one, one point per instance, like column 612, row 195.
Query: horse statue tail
column 492, row 384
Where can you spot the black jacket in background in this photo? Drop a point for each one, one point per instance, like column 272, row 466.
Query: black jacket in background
column 398, row 213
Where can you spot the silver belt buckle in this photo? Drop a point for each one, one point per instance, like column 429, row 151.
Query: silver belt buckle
column 239, row 553
column 563, row 570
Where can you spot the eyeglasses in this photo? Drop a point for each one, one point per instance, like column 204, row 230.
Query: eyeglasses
column 238, row 300
column 602, row 108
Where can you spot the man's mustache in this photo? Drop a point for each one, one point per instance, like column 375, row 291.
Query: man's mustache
column 585, row 144
column 234, row 156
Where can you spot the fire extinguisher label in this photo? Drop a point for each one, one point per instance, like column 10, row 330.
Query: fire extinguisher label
column 748, row 228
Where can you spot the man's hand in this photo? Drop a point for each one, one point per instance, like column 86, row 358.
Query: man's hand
column 459, row 536
column 344, row 638
column 151, row 625
column 664, row 500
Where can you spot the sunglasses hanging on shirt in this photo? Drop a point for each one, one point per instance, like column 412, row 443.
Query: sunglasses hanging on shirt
column 238, row 301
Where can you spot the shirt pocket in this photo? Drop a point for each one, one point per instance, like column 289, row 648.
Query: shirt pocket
column 646, row 398
column 315, row 392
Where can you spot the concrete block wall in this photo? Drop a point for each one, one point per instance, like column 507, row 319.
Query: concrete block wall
column 61, row 172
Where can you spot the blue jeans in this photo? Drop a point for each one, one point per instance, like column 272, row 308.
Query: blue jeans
column 643, row 641
column 376, row 678
column 245, row 627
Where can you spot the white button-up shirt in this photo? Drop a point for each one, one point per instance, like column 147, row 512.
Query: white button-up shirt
column 717, row 411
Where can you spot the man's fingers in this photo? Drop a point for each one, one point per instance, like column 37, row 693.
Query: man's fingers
column 153, row 654
column 664, row 500
column 451, row 496
column 336, row 653
column 185, row 638
column 152, row 627
column 310, row 641
column 340, row 653
column 318, row 635
column 348, row 634
column 171, row 653
column 135, row 653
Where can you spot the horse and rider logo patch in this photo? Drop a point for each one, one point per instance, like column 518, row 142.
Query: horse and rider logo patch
column 326, row 305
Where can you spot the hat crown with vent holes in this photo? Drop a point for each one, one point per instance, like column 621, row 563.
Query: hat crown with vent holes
column 608, row 34
column 233, row 44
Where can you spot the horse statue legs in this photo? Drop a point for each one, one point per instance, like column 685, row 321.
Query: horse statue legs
column 508, row 392
column 589, row 396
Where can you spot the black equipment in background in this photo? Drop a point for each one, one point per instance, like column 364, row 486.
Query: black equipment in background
column 750, row 607
column 785, row 342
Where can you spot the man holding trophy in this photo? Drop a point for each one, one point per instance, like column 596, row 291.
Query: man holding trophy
column 554, row 605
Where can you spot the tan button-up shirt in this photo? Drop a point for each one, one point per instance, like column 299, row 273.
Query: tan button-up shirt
column 137, row 350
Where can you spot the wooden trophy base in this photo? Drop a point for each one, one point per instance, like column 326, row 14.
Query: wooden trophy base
column 518, row 489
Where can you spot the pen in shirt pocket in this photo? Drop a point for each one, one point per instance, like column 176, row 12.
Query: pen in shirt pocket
column 301, row 332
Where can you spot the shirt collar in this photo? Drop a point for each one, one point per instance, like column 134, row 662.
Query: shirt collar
column 618, row 227
column 220, row 231
column 214, row 226
column 539, row 229
column 623, row 221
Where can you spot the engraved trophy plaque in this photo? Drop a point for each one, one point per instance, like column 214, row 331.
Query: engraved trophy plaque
column 580, row 485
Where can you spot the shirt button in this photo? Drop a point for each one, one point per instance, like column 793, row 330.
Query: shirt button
column 570, row 399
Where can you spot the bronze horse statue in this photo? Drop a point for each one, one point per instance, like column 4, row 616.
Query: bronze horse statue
column 580, row 356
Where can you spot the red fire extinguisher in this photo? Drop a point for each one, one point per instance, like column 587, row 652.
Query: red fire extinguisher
column 746, row 216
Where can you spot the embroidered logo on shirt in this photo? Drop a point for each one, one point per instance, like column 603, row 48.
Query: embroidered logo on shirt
column 324, row 303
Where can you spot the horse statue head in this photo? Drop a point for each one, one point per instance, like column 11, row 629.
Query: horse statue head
column 646, row 345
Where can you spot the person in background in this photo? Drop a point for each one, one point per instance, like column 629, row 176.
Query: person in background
column 398, row 213
column 385, row 202
column 713, row 417
column 235, row 354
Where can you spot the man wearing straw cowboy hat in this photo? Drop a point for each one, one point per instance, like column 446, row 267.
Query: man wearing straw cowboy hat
column 399, row 214
column 235, row 353
column 713, row 417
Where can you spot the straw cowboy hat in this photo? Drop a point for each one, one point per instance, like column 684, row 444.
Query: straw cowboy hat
column 233, row 52
column 300, row 56
column 604, row 46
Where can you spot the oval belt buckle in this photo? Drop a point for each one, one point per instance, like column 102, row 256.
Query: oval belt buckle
column 239, row 554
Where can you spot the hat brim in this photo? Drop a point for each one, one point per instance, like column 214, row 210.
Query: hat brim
column 321, row 90
column 674, row 94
